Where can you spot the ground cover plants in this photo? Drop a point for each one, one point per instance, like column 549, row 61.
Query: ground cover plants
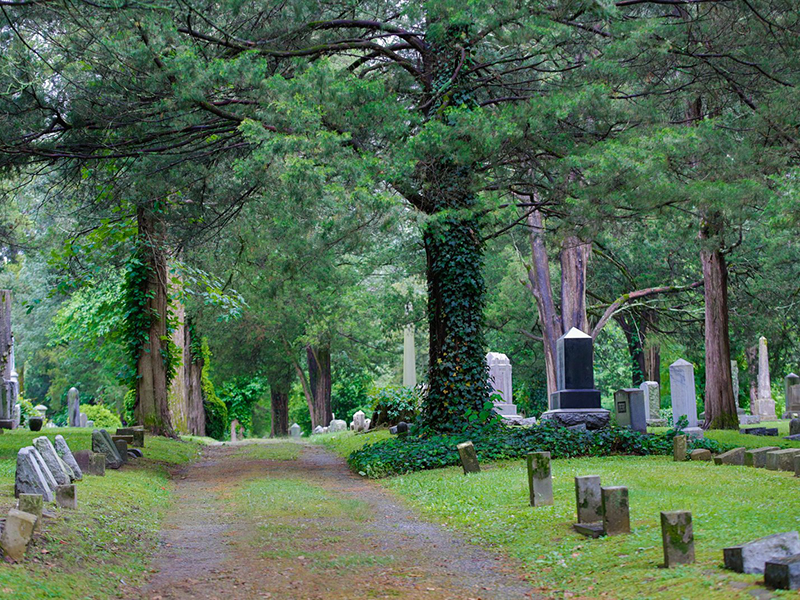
column 104, row 547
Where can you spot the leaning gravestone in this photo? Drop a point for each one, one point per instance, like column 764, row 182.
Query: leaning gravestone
column 102, row 444
column 751, row 557
column 792, row 390
column 677, row 537
column 684, row 400
column 576, row 402
column 29, row 478
column 58, row 468
column 73, row 407
column 540, row 479
column 17, row 534
column 48, row 476
column 630, row 409
column 763, row 405
column 469, row 458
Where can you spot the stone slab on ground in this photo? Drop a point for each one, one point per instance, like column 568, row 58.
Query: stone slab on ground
column 731, row 457
column 469, row 458
column 783, row 574
column 757, row 457
column 752, row 556
column 136, row 432
column 91, row 463
column 700, row 454
column 63, row 451
column 782, row 460
column 677, row 537
column 29, row 478
column 592, row 530
column 17, row 534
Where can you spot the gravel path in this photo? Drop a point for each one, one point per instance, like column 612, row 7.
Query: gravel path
column 377, row 548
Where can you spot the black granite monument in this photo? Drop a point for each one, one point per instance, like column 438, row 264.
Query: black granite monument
column 576, row 402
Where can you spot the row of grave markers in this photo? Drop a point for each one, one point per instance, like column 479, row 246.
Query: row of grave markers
column 605, row 511
column 47, row 472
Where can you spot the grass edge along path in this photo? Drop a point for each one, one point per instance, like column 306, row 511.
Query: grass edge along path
column 105, row 546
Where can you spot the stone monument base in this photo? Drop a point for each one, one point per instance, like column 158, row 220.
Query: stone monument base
column 791, row 414
column 692, row 432
column 592, row 418
column 764, row 408
column 749, row 419
column 657, row 423
column 505, row 410
column 6, row 424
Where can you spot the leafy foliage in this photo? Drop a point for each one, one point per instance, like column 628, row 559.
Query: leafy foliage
column 102, row 417
column 240, row 394
column 392, row 404
column 404, row 455
column 215, row 409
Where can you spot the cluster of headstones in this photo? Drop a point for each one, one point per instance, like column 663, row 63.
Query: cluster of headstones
column 47, row 472
column 335, row 426
column 772, row 458
column 605, row 511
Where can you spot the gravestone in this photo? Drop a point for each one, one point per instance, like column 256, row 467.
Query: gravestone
column 677, row 537
column 359, row 421
column 409, row 357
column 576, row 402
column 630, row 409
column 84, row 420
column 757, row 457
column 33, row 504
column 17, row 534
column 67, row 496
column 588, row 498
column 700, row 454
column 58, row 468
column 29, row 478
column 469, row 458
column 48, row 476
column 89, row 424
column 17, row 418
column 735, row 381
column 616, row 513
column 763, row 405
column 122, row 450
column 679, row 448
column 136, row 432
column 295, row 431
column 797, row 465
column 781, row 460
column 752, row 556
column 91, row 463
column 540, row 480
column 731, row 457
column 234, row 426
column 684, row 400
column 791, row 386
column 102, row 444
column 783, row 573
column 794, row 426
column 500, row 381
column 652, row 403
column 318, row 430
column 73, row 407
column 336, row 426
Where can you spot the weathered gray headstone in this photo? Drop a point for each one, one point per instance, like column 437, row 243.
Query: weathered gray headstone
column 102, row 444
column 73, row 407
column 781, row 460
column 295, row 431
column 67, row 496
column 500, row 381
column 17, row 534
column 318, row 430
column 630, row 409
column 679, row 448
column 84, row 420
column 784, row 573
column 409, row 357
column 48, row 476
column 588, row 499
column 792, row 390
column 797, row 465
column 731, row 457
column 616, row 512
column 89, row 424
column 699, row 454
column 757, row 457
column 336, row 426
column 540, row 480
column 677, row 537
column 794, row 426
column 29, row 478
column 51, row 459
column 136, row 432
column 763, row 405
column 469, row 458
column 359, row 421
column 684, row 399
column 33, row 504
column 652, row 402
column 751, row 557
column 91, row 463
column 122, row 450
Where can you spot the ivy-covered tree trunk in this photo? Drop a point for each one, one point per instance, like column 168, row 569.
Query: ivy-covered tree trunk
column 719, row 400
column 319, row 377
column 150, row 313
column 193, row 376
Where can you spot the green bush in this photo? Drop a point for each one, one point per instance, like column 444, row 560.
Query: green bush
column 216, row 411
column 26, row 410
column 102, row 417
column 392, row 404
column 404, row 455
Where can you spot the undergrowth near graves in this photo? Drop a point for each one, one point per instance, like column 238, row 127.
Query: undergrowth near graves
column 105, row 546
column 345, row 443
column 416, row 453
column 730, row 505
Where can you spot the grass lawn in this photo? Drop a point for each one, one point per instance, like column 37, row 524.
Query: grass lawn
column 730, row 505
column 104, row 546
column 346, row 442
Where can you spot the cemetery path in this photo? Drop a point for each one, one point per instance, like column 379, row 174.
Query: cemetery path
column 247, row 527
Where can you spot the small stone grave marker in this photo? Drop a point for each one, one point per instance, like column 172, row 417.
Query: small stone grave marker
column 616, row 513
column 757, row 457
column 679, row 448
column 677, row 536
column 67, row 496
column 17, row 534
column 752, row 556
column 784, row 573
column 781, row 460
column 731, row 457
column 540, row 481
column 469, row 458
column 33, row 504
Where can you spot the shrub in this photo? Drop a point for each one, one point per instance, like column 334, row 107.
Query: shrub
column 215, row 409
column 498, row 442
column 393, row 404
column 26, row 410
column 102, row 417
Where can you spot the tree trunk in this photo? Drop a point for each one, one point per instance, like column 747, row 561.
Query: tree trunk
column 279, row 409
column 6, row 348
column 653, row 363
column 152, row 407
column 574, row 262
column 719, row 401
column 178, row 396
column 751, row 354
column 319, row 377
column 635, row 335
column 193, row 372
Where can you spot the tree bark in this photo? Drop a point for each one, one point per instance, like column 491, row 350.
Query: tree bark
column 6, row 348
column 751, row 354
column 319, row 377
column 279, row 410
column 635, row 334
column 193, row 372
column 653, row 363
column 719, row 401
column 574, row 263
column 152, row 406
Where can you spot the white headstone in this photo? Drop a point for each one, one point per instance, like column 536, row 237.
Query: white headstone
column 684, row 398
column 764, row 404
column 318, row 430
column 792, row 389
column 359, row 421
column 409, row 357
column 337, row 425
column 17, row 415
column 500, row 382
column 83, row 420
column 73, row 408
column 652, row 399
column 294, row 431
